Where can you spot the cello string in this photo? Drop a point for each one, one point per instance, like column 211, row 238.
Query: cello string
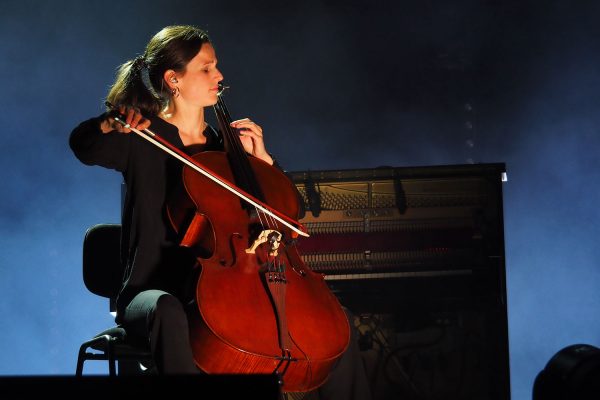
column 237, row 147
column 272, row 223
column 228, row 130
column 229, row 137
column 238, row 150
column 258, row 214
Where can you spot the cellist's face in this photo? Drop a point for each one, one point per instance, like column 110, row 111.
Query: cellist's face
column 198, row 84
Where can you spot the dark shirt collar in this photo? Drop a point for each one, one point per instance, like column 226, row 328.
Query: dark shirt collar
column 214, row 140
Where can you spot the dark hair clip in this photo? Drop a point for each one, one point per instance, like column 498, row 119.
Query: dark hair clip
column 139, row 63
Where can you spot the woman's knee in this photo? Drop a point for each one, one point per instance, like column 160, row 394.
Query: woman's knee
column 168, row 304
column 170, row 312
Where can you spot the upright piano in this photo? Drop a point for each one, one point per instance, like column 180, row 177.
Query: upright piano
column 417, row 243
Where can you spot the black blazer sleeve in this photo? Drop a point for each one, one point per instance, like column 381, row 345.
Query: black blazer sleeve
column 92, row 147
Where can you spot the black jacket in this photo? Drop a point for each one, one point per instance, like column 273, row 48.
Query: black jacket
column 149, row 247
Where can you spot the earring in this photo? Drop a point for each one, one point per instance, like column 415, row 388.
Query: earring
column 175, row 92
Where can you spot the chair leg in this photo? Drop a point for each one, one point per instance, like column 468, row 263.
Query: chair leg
column 84, row 355
column 112, row 370
column 108, row 344
column 80, row 360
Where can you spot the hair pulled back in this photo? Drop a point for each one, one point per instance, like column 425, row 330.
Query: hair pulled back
column 140, row 83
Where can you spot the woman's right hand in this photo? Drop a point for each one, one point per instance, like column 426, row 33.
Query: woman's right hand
column 133, row 117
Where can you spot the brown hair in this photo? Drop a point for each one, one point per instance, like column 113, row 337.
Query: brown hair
column 139, row 82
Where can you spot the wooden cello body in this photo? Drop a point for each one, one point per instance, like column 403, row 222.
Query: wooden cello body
column 260, row 309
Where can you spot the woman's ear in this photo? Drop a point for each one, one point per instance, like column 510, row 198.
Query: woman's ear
column 170, row 77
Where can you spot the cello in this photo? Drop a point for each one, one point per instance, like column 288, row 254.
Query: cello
column 259, row 309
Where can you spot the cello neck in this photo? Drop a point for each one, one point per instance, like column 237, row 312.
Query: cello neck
column 237, row 156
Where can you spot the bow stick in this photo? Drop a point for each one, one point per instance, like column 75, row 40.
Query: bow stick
column 190, row 162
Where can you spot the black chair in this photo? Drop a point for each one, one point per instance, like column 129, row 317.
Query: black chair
column 102, row 275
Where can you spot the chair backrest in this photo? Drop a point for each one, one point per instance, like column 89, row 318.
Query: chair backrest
column 102, row 268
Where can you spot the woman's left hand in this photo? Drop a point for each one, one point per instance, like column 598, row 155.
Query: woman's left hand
column 252, row 139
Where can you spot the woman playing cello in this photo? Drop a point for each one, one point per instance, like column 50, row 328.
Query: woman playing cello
column 168, row 88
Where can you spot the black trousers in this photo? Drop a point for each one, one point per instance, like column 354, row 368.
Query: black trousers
column 161, row 317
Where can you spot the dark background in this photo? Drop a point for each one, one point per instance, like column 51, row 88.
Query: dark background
column 335, row 85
